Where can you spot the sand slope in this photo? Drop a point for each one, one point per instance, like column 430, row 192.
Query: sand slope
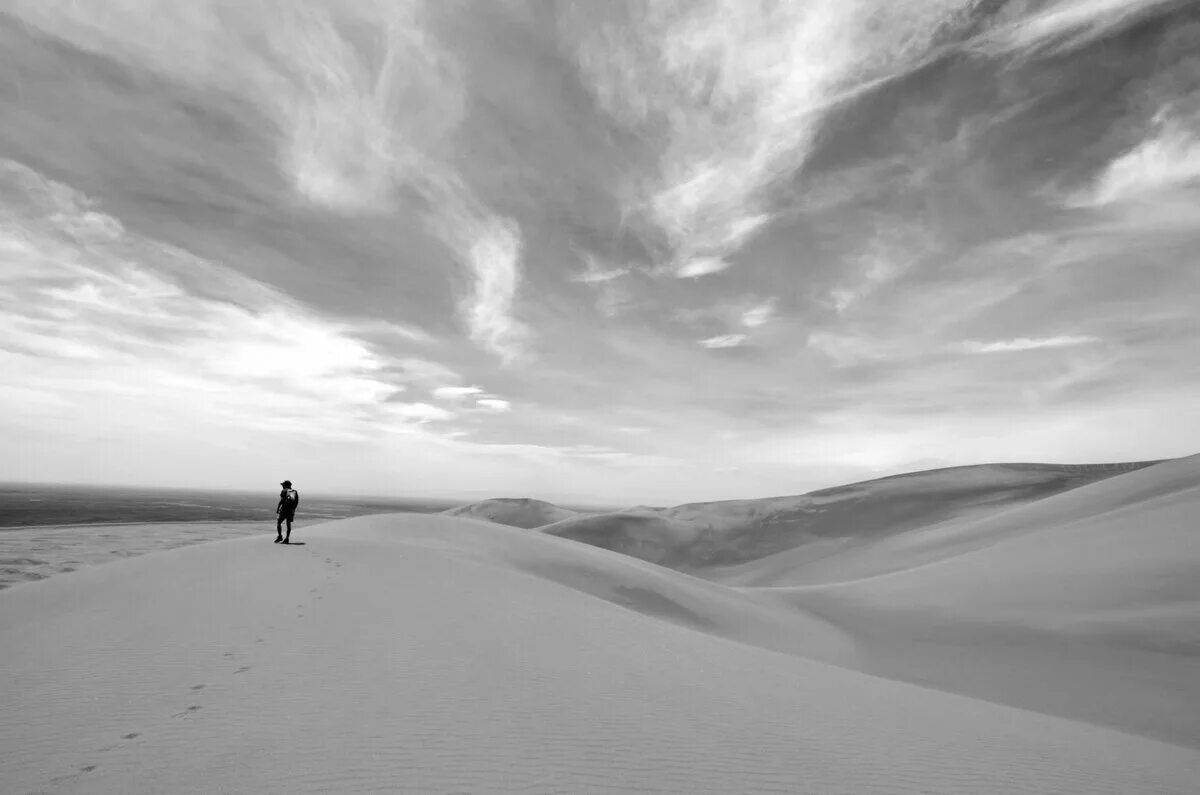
column 713, row 538
column 514, row 512
column 1086, row 604
column 434, row 654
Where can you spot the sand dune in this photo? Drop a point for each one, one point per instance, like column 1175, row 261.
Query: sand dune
column 706, row 537
column 514, row 512
column 34, row 553
column 434, row 654
column 1086, row 604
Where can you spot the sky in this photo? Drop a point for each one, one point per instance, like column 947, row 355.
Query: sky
column 618, row 253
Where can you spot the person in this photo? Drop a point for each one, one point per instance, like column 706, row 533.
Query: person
column 289, row 498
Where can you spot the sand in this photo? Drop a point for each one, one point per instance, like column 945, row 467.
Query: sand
column 715, row 539
column 35, row 553
column 413, row 653
column 515, row 512
column 1084, row 605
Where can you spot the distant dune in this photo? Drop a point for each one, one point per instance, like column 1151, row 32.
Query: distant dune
column 514, row 512
column 1085, row 604
column 408, row 653
column 704, row 537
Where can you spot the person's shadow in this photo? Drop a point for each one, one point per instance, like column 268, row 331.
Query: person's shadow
column 294, row 544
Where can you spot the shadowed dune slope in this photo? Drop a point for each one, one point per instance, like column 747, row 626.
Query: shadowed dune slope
column 706, row 537
column 432, row 654
column 514, row 512
column 1086, row 604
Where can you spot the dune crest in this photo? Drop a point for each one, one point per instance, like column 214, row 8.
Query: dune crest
column 514, row 512
column 704, row 537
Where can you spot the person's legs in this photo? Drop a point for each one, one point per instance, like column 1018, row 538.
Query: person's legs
column 279, row 528
column 287, row 538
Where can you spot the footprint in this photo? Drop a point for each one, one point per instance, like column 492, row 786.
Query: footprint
column 242, row 670
column 227, row 654
column 130, row 736
column 199, row 687
column 89, row 768
column 193, row 708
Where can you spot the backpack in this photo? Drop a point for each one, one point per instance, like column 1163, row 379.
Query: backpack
column 291, row 499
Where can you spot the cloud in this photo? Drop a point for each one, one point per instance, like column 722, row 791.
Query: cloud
column 356, row 118
column 701, row 266
column 495, row 259
column 890, row 251
column 759, row 314
column 421, row 412
column 724, row 341
column 612, row 295
column 452, row 392
column 1168, row 159
column 493, row 405
column 103, row 318
column 731, row 95
column 596, row 273
column 1025, row 344
column 1065, row 25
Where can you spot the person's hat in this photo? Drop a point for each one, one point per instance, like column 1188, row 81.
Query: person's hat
column 287, row 484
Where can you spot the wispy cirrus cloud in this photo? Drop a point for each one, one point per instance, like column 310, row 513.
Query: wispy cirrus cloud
column 731, row 95
column 1168, row 159
column 495, row 261
column 453, row 392
column 354, row 124
column 724, row 341
column 1026, row 344
column 700, row 266
column 1065, row 25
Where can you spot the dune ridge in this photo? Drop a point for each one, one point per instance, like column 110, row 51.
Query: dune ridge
column 514, row 511
column 703, row 537
column 432, row 653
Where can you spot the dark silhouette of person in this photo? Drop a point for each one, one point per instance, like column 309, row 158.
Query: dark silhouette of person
column 289, row 498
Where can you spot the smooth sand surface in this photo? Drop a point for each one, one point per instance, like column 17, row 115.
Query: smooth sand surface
column 435, row 654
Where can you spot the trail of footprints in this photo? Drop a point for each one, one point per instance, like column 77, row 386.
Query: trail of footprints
column 195, row 690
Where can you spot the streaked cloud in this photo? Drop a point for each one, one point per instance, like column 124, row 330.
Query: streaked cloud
column 451, row 392
column 1169, row 159
column 84, row 297
column 494, row 405
column 495, row 260
column 759, row 315
column 701, row 266
column 1066, row 24
column 1025, row 344
column 736, row 92
column 724, row 341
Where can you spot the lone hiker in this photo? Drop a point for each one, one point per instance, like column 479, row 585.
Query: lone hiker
column 289, row 498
